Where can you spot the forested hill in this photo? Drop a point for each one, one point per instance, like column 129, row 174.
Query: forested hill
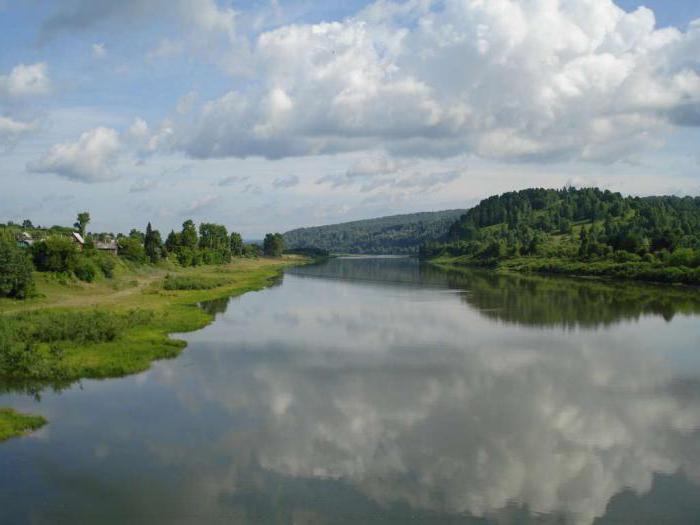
column 397, row 234
column 581, row 231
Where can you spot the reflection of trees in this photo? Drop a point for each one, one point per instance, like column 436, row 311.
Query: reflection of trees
column 553, row 301
column 524, row 299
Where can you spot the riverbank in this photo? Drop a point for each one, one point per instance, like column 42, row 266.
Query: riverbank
column 14, row 424
column 630, row 270
column 115, row 327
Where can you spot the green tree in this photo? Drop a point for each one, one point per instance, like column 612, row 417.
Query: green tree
column 188, row 237
column 54, row 254
column 16, row 277
column 82, row 222
column 273, row 245
column 236, row 244
column 153, row 244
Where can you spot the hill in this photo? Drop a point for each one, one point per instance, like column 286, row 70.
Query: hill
column 578, row 231
column 396, row 234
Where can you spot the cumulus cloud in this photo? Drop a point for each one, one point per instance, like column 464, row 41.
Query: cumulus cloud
column 286, row 181
column 89, row 159
column 379, row 171
column 25, row 80
column 501, row 79
column 12, row 130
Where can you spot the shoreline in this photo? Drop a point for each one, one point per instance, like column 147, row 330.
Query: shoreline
column 597, row 270
column 161, row 312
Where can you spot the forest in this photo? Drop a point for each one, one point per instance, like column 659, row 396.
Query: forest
column 396, row 234
column 584, row 231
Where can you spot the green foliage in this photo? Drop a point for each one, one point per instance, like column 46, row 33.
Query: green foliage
column 398, row 234
column 54, row 254
column 188, row 237
column 82, row 222
column 13, row 424
column 32, row 343
column 215, row 244
column 186, row 282
column 16, row 278
column 84, row 268
column 273, row 245
column 629, row 236
column 236, row 244
column 131, row 248
column 153, row 244
column 252, row 250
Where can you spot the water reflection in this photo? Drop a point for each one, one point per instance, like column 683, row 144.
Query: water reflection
column 383, row 397
column 524, row 299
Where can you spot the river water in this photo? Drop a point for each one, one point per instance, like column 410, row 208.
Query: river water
column 379, row 390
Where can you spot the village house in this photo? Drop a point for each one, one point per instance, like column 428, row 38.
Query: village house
column 78, row 239
column 24, row 240
column 109, row 246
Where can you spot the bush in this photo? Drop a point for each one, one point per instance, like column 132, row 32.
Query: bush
column 84, row 268
column 131, row 248
column 54, row 254
column 106, row 264
column 192, row 283
column 16, row 278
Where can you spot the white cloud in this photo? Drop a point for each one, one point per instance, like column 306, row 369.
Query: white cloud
column 502, row 79
column 25, row 80
column 286, row 181
column 90, row 159
column 202, row 204
column 376, row 172
column 232, row 180
column 11, row 130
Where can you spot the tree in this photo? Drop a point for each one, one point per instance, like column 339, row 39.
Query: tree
column 82, row 222
column 16, row 278
column 188, row 237
column 131, row 248
column 153, row 244
column 27, row 224
column 54, row 254
column 172, row 241
column 273, row 245
column 236, row 244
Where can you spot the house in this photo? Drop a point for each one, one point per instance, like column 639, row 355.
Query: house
column 24, row 240
column 78, row 239
column 107, row 246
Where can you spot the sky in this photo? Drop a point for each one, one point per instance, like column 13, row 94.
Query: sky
column 270, row 115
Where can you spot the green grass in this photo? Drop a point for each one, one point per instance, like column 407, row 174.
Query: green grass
column 104, row 329
column 602, row 268
column 14, row 424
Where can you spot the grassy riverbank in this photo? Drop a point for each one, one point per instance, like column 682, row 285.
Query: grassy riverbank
column 14, row 424
column 115, row 327
column 630, row 270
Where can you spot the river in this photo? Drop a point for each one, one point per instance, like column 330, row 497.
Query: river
column 380, row 390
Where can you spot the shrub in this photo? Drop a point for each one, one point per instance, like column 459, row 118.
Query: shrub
column 84, row 268
column 106, row 264
column 54, row 254
column 192, row 283
column 131, row 248
column 16, row 278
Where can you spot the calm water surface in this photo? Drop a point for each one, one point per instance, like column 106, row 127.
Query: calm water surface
column 380, row 391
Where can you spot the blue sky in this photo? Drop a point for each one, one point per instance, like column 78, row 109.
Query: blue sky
column 267, row 116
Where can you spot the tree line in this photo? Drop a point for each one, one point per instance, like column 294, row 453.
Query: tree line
column 585, row 225
column 53, row 250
